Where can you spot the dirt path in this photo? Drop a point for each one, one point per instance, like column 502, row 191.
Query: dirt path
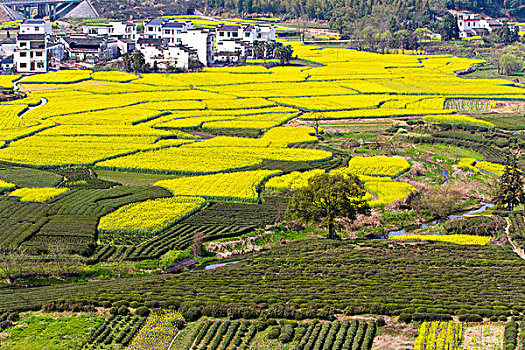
column 516, row 249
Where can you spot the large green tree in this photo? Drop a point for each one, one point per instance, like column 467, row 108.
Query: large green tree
column 449, row 28
column 509, row 63
column 509, row 191
column 328, row 197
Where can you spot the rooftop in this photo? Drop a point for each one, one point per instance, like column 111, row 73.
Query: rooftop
column 174, row 25
column 227, row 28
column 156, row 22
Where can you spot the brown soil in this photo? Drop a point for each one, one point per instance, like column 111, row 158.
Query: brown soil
column 395, row 337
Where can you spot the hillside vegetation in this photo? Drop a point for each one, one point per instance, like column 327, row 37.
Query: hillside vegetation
column 401, row 10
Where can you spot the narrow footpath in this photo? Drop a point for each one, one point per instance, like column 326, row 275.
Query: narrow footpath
column 516, row 249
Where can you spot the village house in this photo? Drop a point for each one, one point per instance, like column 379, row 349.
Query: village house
column 157, row 52
column 472, row 24
column 124, row 30
column 235, row 41
column 35, row 46
column 90, row 49
column 183, row 34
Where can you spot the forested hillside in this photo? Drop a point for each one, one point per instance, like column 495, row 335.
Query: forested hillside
column 349, row 10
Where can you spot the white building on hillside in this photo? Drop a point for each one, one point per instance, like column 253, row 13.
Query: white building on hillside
column 473, row 24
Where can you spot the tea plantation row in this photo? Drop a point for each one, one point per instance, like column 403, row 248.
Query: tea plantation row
column 317, row 279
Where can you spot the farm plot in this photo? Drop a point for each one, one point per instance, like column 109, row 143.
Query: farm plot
column 157, row 332
column 67, row 222
column 439, row 335
column 116, row 332
column 225, row 99
column 53, row 331
column 137, row 222
column 483, row 336
column 225, row 335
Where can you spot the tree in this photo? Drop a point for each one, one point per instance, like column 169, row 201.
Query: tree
column 284, row 53
column 422, row 34
column 509, row 190
column 139, row 62
column 369, row 36
column 449, row 28
column 198, row 247
column 328, row 197
column 509, row 63
column 504, row 35
column 317, row 122
column 259, row 49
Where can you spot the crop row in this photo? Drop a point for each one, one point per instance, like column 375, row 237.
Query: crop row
column 116, row 331
column 179, row 236
column 439, row 335
column 237, row 334
column 325, row 277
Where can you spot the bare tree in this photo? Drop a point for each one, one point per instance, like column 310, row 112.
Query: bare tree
column 317, row 121
column 198, row 246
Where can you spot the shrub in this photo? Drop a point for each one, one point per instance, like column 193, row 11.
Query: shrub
column 120, row 303
column 192, row 314
column 142, row 311
column 470, row 318
column 405, row 318
column 113, row 311
column 510, row 336
column 287, row 333
column 123, row 310
column 273, row 333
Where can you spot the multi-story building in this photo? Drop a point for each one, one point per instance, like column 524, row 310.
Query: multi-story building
column 158, row 52
column 153, row 28
column 234, row 41
column 35, row 46
column 183, row 34
column 118, row 29
column 472, row 24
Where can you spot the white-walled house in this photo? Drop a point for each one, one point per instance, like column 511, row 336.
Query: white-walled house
column 234, row 41
column 232, row 50
column 117, row 29
column 31, row 53
column 158, row 51
column 97, row 29
column 472, row 24
column 36, row 26
column 252, row 33
column 124, row 30
column 183, row 33
column 153, row 28
column 35, row 46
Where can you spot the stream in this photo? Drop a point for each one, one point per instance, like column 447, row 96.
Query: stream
column 214, row 266
column 444, row 172
column 484, row 207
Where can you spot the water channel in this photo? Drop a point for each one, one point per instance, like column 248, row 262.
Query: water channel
column 483, row 208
